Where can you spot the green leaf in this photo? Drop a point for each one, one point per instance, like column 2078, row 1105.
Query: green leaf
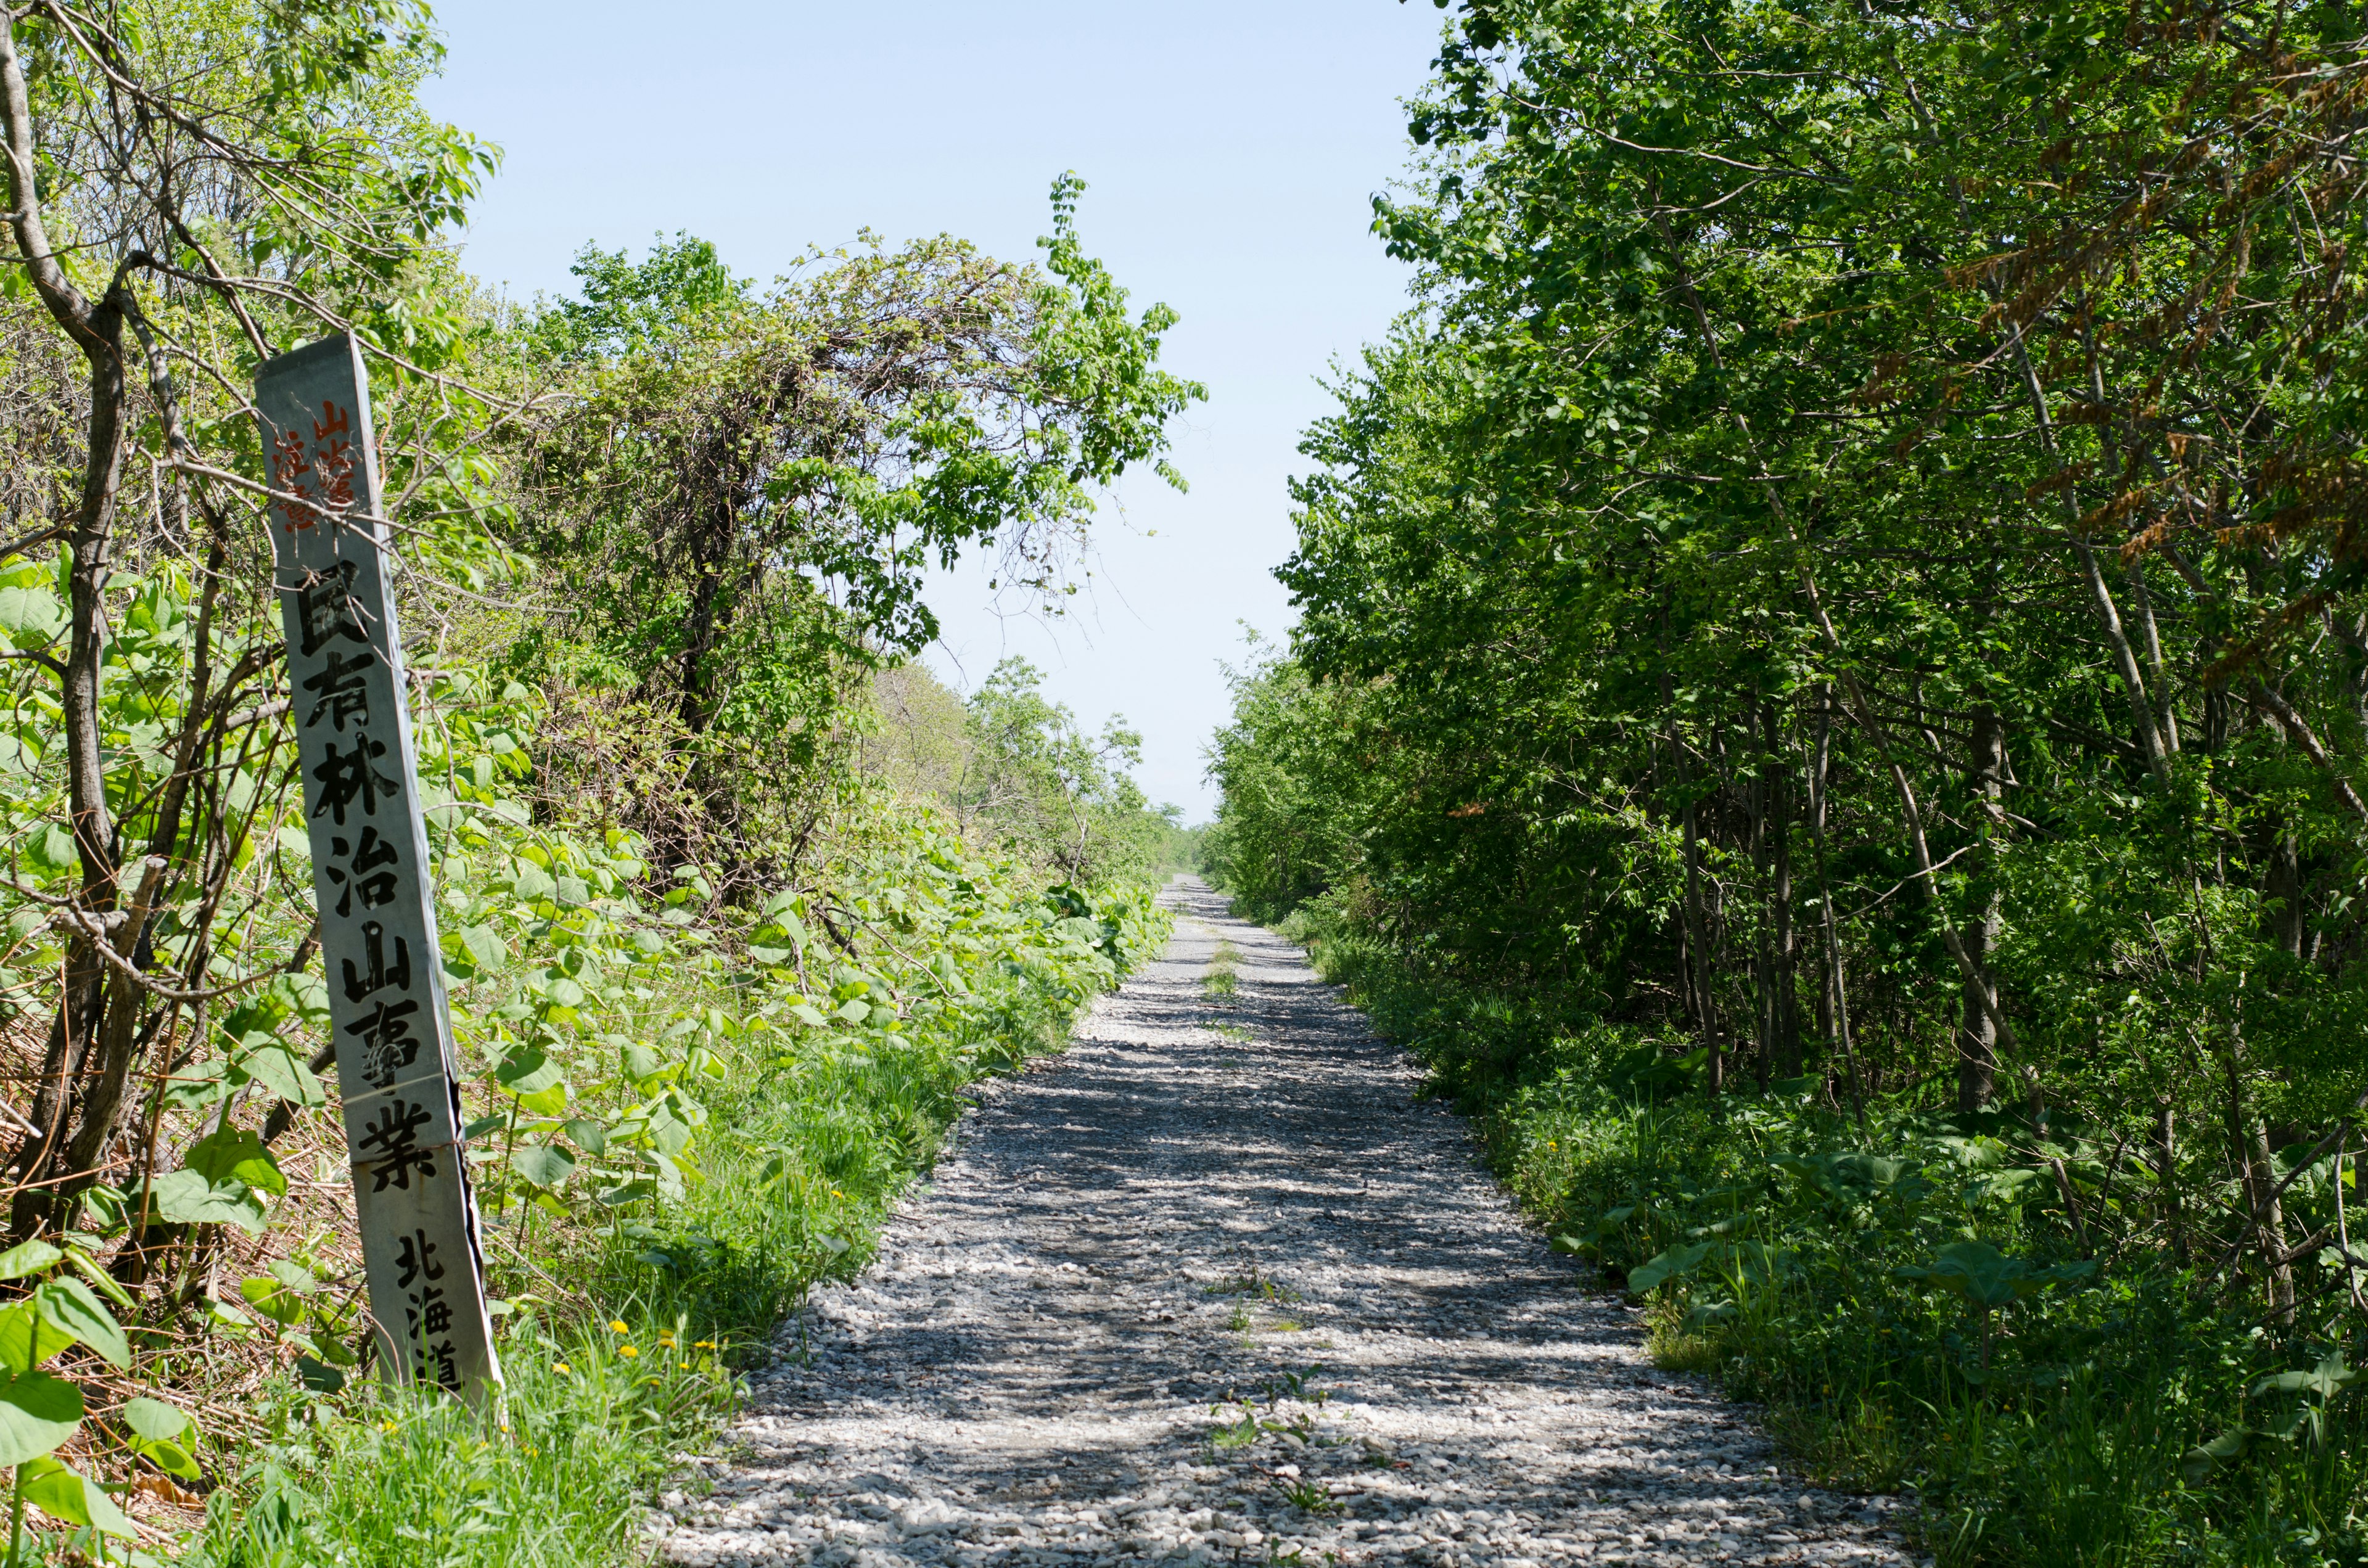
column 156, row 1420
column 63, row 1495
column 187, row 1198
column 295, row 1276
column 52, row 847
column 273, row 1299
column 319, row 1376
column 234, row 1155
column 533, row 882
column 543, row 1165
column 26, row 1336
column 486, row 945
column 274, row 1063
column 1988, row 1279
column 31, row 615
column 1675, row 1263
column 2330, row 1378
column 2198, row 1461
column 38, row 1411
column 528, row 1072
column 107, row 1284
column 28, row 1257
column 71, row 1307
column 588, row 1136
column 643, row 1064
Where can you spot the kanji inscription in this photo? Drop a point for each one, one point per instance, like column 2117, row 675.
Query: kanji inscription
column 394, row 1033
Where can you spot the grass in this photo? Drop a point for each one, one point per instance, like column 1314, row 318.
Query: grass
column 621, row 1345
column 550, row 1478
column 1220, row 984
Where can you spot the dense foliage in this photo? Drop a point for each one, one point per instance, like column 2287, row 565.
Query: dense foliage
column 1831, row 679
column 716, row 976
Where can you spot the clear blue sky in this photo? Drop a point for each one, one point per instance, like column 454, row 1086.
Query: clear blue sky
column 1232, row 149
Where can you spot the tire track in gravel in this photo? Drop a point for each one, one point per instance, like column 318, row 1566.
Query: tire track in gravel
column 1025, row 1375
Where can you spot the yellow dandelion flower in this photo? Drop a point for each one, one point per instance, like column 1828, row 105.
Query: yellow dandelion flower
column 562, row 1369
column 657, row 1382
column 665, row 1339
column 686, row 1366
column 704, row 1345
column 627, row 1350
column 617, row 1324
column 388, row 1426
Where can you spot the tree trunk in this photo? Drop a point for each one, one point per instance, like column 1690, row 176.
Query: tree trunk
column 1785, row 1022
column 1977, row 1031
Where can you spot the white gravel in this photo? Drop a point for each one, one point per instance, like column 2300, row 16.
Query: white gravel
column 1026, row 1374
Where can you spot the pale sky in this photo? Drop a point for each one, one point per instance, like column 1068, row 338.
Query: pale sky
column 1232, row 149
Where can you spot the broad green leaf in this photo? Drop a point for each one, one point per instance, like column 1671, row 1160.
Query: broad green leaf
column 275, row 1064
column 295, row 1276
column 2198, row 1461
column 187, row 1198
column 31, row 615
column 273, row 1299
column 170, row 1457
column 528, row 1072
column 38, row 1411
column 52, row 847
column 234, row 1155
column 543, row 1165
column 156, row 1420
column 484, row 945
column 1673, row 1264
column 319, row 1376
column 26, row 1336
column 71, row 1307
column 63, row 1495
column 28, row 1257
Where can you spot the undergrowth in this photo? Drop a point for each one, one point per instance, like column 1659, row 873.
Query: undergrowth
column 623, row 1342
column 2118, row 1407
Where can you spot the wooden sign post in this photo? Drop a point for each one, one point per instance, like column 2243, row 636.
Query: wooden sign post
column 393, row 1031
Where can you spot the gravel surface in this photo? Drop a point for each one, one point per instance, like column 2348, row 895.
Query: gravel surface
column 1210, row 1200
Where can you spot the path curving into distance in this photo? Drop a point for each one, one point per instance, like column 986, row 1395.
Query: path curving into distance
column 1205, row 1199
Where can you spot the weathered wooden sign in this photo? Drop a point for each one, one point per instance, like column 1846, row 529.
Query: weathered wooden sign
column 393, row 1032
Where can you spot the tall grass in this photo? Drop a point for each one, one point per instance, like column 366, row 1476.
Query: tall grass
column 621, row 1344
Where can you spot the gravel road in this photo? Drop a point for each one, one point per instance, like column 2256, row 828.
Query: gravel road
column 1208, row 1201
